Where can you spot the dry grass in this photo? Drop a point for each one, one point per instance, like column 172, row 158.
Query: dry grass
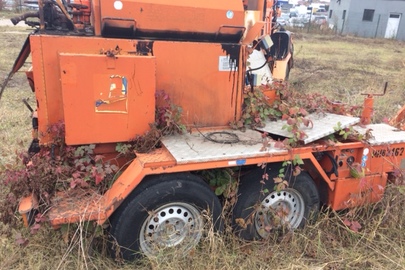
column 14, row 117
column 339, row 67
column 5, row 14
column 327, row 244
column 343, row 68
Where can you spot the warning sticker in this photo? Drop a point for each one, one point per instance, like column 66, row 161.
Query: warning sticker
column 227, row 64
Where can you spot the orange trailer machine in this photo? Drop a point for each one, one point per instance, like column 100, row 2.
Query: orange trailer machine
column 97, row 65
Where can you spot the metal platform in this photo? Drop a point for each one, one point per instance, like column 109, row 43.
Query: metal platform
column 382, row 134
column 197, row 147
column 323, row 125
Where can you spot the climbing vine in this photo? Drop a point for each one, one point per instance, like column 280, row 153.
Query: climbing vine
column 168, row 121
column 59, row 167
column 288, row 105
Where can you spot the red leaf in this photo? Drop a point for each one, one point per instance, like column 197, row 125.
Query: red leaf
column 355, row 226
column 347, row 222
column 330, row 143
column 21, row 241
column 279, row 145
column 40, row 218
column 58, row 170
column 282, row 107
column 297, row 171
column 303, row 112
column 397, row 173
column 307, row 122
column 98, row 158
column 83, row 184
column 278, row 180
column 99, row 178
column 303, row 135
column 76, row 175
column 293, row 111
column 108, row 170
column 73, row 184
column 291, row 121
column 35, row 228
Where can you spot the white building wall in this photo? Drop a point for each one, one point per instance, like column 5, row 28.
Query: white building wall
column 354, row 24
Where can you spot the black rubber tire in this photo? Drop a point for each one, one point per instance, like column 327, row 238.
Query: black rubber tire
column 250, row 196
column 185, row 193
column 290, row 63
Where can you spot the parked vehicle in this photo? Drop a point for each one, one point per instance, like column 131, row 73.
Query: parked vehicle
column 320, row 20
column 283, row 19
column 297, row 22
column 320, row 11
column 293, row 14
column 98, row 71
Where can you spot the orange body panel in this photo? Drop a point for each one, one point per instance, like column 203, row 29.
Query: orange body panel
column 352, row 192
column 349, row 190
column 280, row 68
column 399, row 119
column 118, row 95
column 96, row 17
column 177, row 16
column 197, row 76
column 367, row 110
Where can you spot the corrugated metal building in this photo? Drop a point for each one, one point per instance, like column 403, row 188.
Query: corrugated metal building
column 369, row 18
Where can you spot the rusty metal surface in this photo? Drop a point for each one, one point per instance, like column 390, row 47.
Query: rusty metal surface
column 76, row 205
column 160, row 157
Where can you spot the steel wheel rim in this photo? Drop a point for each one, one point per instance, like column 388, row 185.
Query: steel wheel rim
column 279, row 209
column 177, row 225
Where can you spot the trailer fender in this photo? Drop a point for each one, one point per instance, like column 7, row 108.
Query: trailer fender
column 122, row 188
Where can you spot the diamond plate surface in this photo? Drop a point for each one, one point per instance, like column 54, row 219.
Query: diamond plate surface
column 196, row 147
column 382, row 134
column 323, row 125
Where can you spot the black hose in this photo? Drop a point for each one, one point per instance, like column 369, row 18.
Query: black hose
column 334, row 165
column 249, row 74
column 227, row 137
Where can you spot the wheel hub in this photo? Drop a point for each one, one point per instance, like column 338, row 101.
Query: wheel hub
column 175, row 224
column 279, row 209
